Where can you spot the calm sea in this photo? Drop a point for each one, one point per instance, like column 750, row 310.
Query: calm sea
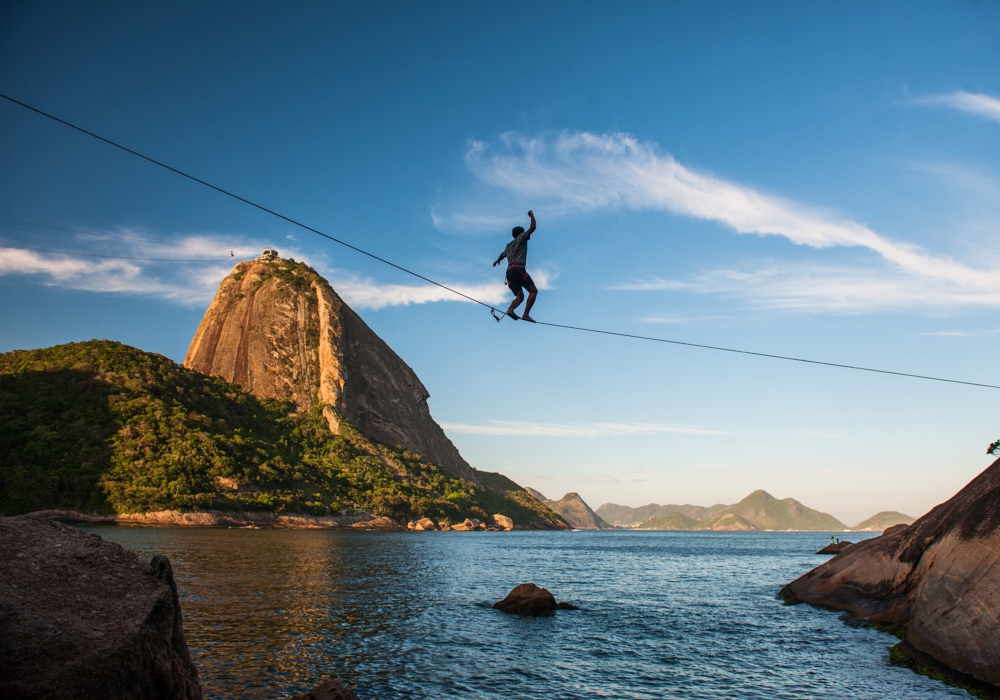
column 269, row 613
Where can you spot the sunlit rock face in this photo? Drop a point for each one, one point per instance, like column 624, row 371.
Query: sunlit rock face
column 280, row 331
column 936, row 579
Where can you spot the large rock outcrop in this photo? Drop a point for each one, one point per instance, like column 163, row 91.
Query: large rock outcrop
column 937, row 580
column 83, row 618
column 577, row 513
column 280, row 331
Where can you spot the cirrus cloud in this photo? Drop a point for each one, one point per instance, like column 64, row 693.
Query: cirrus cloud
column 579, row 172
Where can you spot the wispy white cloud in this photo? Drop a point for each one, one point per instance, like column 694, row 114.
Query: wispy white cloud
column 980, row 105
column 652, row 284
column 186, row 285
column 155, row 272
column 531, row 429
column 364, row 293
column 828, row 289
column 982, row 333
column 577, row 172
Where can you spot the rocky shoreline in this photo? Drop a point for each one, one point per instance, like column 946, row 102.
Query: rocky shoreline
column 285, row 521
column 935, row 583
column 216, row 518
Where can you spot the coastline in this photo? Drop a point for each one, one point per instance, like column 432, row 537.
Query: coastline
column 216, row 518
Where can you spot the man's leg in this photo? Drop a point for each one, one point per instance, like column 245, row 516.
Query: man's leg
column 514, row 304
column 529, row 284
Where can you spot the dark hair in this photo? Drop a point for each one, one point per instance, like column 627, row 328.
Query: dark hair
column 517, row 231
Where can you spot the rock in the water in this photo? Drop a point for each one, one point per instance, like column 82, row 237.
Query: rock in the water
column 835, row 548
column 424, row 524
column 502, row 522
column 84, row 618
column 331, row 690
column 937, row 579
column 443, row 526
column 529, row 599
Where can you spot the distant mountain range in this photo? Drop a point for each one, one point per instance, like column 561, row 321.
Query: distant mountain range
column 758, row 511
column 573, row 510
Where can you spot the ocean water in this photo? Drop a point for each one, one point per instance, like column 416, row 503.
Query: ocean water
column 269, row 613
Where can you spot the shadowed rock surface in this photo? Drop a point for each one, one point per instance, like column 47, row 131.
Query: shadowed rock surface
column 83, row 618
column 280, row 331
column 331, row 690
column 529, row 599
column 937, row 579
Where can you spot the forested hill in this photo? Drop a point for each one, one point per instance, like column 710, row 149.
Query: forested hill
column 102, row 427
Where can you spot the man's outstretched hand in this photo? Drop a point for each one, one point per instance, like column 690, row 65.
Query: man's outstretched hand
column 531, row 214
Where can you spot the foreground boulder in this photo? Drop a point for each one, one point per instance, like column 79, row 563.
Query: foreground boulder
column 81, row 617
column 937, row 581
column 331, row 690
column 529, row 599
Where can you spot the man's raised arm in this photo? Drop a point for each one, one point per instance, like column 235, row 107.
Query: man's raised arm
column 531, row 229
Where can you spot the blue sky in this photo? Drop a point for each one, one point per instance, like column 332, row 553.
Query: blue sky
column 815, row 179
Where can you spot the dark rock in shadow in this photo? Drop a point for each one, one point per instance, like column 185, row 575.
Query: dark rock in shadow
column 331, row 690
column 529, row 599
column 84, row 618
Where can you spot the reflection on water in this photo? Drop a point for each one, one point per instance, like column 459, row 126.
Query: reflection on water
column 268, row 613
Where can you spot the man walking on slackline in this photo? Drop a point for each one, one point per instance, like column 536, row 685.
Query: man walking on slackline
column 516, row 253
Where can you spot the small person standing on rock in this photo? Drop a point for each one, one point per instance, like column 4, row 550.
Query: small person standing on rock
column 516, row 253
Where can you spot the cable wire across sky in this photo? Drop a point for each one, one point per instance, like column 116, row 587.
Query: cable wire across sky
column 455, row 291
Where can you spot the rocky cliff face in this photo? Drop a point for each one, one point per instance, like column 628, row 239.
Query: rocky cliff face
column 938, row 580
column 280, row 331
column 577, row 513
column 84, row 618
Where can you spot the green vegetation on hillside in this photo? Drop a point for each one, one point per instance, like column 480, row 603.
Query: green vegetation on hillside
column 671, row 521
column 101, row 427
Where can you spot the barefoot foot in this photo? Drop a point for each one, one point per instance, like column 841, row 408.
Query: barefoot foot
column 526, row 317
column 513, row 315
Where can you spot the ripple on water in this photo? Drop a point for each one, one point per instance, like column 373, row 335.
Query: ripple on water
column 407, row 615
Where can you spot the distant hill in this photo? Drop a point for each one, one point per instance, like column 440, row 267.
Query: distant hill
column 104, row 428
column 728, row 521
column 537, row 495
column 758, row 511
column 624, row 516
column 671, row 521
column 577, row 513
column 883, row 520
column 765, row 512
